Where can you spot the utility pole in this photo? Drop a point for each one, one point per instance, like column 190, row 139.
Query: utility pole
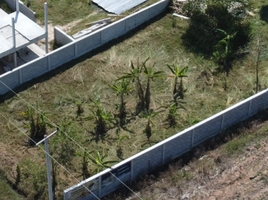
column 45, row 140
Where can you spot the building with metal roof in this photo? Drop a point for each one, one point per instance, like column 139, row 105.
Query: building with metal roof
column 118, row 6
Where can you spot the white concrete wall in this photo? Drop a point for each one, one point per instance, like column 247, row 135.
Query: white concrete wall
column 61, row 38
column 167, row 150
column 23, row 9
column 76, row 48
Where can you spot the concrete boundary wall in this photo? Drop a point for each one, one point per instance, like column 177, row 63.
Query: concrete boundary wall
column 144, row 162
column 24, row 9
column 61, row 38
column 74, row 49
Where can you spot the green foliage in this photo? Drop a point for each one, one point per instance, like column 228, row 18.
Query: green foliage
column 203, row 35
column 34, row 179
column 121, row 88
column 149, row 115
column 37, row 125
column 178, row 89
column 173, row 113
column 150, row 75
column 62, row 147
column 135, row 75
column 100, row 162
column 119, row 150
column 102, row 119
column 85, row 162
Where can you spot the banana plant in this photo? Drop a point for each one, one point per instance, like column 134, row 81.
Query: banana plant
column 37, row 125
column 178, row 73
column 149, row 115
column 135, row 76
column 224, row 53
column 150, row 74
column 85, row 163
column 173, row 113
column 102, row 119
column 99, row 161
column 121, row 88
column 119, row 150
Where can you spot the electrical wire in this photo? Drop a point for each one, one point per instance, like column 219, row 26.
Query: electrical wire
column 65, row 135
column 64, row 168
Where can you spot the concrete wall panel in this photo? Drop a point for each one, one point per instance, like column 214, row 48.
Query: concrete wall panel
column 207, row 129
column 9, row 80
column 88, row 43
column 147, row 162
column 158, row 8
column 62, row 55
column 142, row 17
column 110, row 182
column 34, row 69
column 235, row 115
column 130, row 23
column 113, row 31
column 61, row 38
column 23, row 9
column 177, row 146
column 258, row 103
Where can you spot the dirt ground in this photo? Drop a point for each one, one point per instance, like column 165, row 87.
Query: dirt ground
column 212, row 176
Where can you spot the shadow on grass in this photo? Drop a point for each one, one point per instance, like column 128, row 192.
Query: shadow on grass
column 82, row 58
column 264, row 13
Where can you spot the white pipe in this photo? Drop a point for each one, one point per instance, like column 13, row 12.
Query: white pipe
column 17, row 6
column 14, row 42
column 180, row 16
column 46, row 26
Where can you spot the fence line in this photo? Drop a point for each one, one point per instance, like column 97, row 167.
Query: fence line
column 79, row 47
column 146, row 161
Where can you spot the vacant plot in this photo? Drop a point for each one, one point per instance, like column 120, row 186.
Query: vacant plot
column 68, row 99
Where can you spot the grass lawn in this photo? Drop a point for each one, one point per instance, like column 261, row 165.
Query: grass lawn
column 89, row 77
column 6, row 192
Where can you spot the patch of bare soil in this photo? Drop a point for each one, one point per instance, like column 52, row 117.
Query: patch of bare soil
column 241, row 177
column 211, row 175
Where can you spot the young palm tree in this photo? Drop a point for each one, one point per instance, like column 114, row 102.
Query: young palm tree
column 121, row 88
column 178, row 89
column 150, row 74
column 135, row 76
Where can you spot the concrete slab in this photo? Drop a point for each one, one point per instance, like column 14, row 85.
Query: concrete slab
column 26, row 32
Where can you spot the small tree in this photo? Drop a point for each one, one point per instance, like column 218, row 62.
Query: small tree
column 178, row 89
column 172, row 113
column 135, row 76
column 102, row 119
column 149, row 115
column 37, row 125
column 223, row 54
column 121, row 88
column 100, row 162
column 119, row 150
column 150, row 74
column 202, row 35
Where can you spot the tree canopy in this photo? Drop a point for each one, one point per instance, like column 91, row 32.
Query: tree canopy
column 203, row 36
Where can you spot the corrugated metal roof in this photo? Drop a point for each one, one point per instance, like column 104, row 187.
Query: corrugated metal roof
column 118, row 6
